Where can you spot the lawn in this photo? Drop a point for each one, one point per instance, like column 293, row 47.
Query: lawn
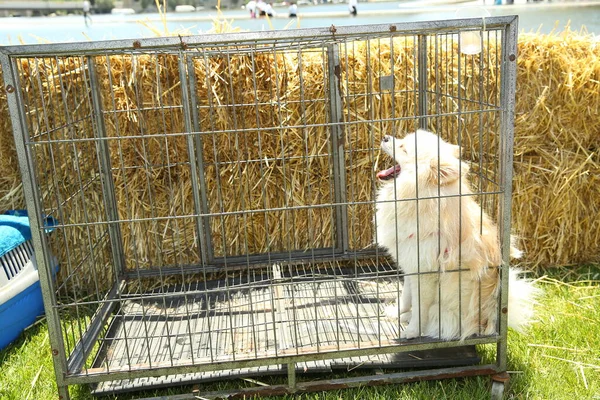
column 558, row 358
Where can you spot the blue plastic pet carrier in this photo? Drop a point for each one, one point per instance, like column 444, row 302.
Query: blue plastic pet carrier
column 20, row 294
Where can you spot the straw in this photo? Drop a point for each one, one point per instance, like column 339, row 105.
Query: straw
column 557, row 166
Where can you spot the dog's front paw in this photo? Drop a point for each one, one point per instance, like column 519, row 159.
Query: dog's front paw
column 405, row 318
column 409, row 333
column 391, row 311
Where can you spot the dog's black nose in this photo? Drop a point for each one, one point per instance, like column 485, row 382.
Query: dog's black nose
column 386, row 138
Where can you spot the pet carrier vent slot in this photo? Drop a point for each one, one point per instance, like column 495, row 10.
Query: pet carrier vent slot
column 16, row 259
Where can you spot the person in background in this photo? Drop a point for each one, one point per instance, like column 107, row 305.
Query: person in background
column 251, row 7
column 86, row 12
column 352, row 6
column 269, row 10
column 293, row 10
column 261, row 8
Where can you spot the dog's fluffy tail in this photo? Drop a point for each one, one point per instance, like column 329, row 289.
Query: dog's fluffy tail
column 522, row 295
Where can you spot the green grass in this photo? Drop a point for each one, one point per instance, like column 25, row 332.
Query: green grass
column 558, row 358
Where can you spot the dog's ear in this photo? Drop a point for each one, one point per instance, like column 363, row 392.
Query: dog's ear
column 444, row 172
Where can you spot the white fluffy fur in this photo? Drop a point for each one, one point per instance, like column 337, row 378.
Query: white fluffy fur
column 430, row 238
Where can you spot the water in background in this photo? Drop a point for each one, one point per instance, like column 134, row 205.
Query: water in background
column 72, row 28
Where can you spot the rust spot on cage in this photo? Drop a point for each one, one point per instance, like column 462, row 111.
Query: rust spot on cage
column 512, row 57
column 137, row 44
column 10, row 89
column 504, row 310
column 262, row 392
column 333, row 29
column 502, row 377
column 393, row 28
column 184, row 45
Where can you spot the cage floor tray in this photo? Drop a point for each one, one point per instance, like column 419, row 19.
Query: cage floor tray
column 268, row 315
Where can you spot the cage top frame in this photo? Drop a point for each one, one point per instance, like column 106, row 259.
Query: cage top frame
column 259, row 37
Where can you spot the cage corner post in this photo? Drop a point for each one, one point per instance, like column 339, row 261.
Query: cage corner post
column 507, row 99
column 291, row 374
column 33, row 204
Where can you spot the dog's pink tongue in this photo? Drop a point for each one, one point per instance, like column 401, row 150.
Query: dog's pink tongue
column 389, row 173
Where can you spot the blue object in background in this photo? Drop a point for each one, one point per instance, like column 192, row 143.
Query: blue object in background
column 20, row 294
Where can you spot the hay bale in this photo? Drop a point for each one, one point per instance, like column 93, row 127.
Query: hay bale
column 558, row 86
column 556, row 205
column 557, row 140
column 556, row 158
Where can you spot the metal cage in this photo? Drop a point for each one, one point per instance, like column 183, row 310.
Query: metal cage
column 214, row 197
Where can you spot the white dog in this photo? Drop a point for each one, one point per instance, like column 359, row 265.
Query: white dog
column 448, row 248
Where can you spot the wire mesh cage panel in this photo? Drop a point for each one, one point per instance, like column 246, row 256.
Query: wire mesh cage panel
column 216, row 200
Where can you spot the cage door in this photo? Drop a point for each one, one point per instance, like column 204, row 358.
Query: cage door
column 269, row 182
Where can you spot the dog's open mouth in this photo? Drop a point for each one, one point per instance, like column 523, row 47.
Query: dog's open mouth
column 389, row 173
